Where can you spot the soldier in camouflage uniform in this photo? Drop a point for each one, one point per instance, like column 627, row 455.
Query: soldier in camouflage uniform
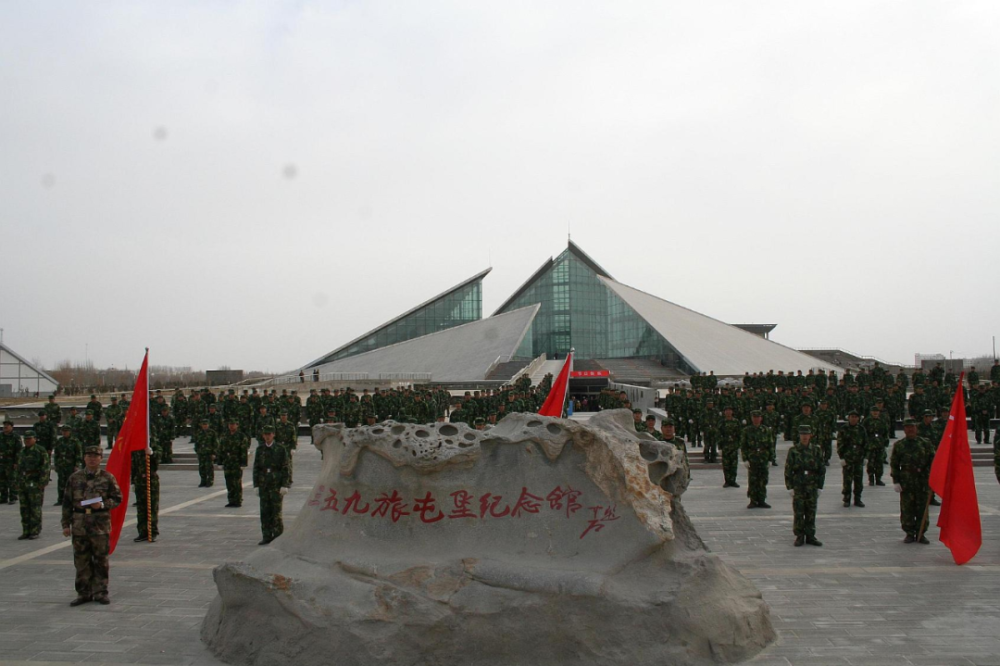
column 206, row 444
column 89, row 431
column 114, row 415
column 910, row 465
column 45, row 431
column 755, row 444
column 708, row 420
column 852, row 445
column 163, row 434
column 90, row 526
column 729, row 442
column 67, row 457
column 826, row 424
column 147, row 514
column 805, row 473
column 10, row 449
column 32, row 477
column 772, row 421
column 233, row 449
column 878, row 442
column 981, row 410
column 53, row 410
column 286, row 433
column 270, row 478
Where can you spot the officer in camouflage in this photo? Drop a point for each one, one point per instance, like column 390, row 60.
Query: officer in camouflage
column 90, row 525
column 755, row 444
column 805, row 473
column 729, row 442
column 206, row 445
column 877, row 431
column 32, row 477
column 270, row 478
column 910, row 465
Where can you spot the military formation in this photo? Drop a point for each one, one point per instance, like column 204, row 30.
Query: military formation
column 814, row 410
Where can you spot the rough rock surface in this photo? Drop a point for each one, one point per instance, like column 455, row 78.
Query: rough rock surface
column 541, row 541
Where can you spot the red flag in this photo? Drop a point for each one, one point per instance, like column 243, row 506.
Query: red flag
column 554, row 403
column 952, row 478
column 133, row 436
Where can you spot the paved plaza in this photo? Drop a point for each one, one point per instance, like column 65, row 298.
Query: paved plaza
column 863, row 598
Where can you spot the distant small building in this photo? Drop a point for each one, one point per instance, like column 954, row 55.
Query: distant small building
column 19, row 377
column 763, row 330
column 223, row 377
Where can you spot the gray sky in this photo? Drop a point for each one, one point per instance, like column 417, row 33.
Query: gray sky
column 254, row 184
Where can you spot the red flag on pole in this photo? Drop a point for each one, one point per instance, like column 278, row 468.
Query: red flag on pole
column 556, row 400
column 133, row 436
column 952, row 478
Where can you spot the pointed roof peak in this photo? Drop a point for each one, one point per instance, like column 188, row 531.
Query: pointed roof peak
column 578, row 252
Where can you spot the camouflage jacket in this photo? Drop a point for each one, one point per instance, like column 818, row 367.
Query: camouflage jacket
column 270, row 467
column 206, row 442
column 89, row 432
column 755, row 444
column 286, row 434
column 68, row 454
column 10, row 448
column 805, row 468
column 852, row 443
column 729, row 433
column 83, row 485
column 233, row 450
column 910, row 462
column 33, row 466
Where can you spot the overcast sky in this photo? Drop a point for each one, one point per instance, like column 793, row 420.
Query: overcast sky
column 252, row 185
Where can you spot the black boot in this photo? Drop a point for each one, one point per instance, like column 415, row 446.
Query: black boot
column 871, row 479
column 799, row 540
column 879, row 482
column 813, row 541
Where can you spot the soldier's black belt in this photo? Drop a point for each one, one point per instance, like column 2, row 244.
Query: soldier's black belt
column 88, row 511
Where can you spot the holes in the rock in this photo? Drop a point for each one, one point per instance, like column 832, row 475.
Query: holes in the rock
column 554, row 429
column 534, row 424
column 448, row 441
column 465, row 445
column 469, row 436
column 398, row 429
column 398, row 443
column 648, row 453
column 413, row 453
column 422, row 433
column 657, row 471
column 378, row 431
column 448, row 430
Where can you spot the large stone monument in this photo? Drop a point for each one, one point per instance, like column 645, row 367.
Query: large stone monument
column 541, row 541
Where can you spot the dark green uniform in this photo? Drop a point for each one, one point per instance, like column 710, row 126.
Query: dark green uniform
column 233, row 449
column 32, row 477
column 755, row 444
column 286, row 434
column 270, row 477
column 10, row 449
column 852, row 445
column 805, row 473
column 910, row 465
column 877, row 430
column 206, row 447
column 67, row 458
column 91, row 529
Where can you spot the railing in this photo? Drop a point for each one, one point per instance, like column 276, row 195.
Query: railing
column 493, row 365
column 421, row 377
column 872, row 359
column 528, row 369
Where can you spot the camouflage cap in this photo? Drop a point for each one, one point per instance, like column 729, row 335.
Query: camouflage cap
column 910, row 422
column 756, row 412
column 89, row 412
column 205, row 421
column 8, row 422
column 636, row 410
column 233, row 420
column 42, row 413
column 92, row 450
column 268, row 429
column 65, row 426
column 805, row 429
column 114, row 398
column 650, row 417
column 928, row 412
column 29, row 434
column 479, row 420
column 667, row 422
column 853, row 412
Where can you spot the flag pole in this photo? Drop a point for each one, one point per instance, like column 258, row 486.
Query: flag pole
column 149, row 479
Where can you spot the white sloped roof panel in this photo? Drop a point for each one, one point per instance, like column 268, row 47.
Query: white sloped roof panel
column 460, row 354
column 709, row 344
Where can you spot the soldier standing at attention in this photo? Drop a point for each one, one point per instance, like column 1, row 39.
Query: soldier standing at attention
column 805, row 472
column 163, row 434
column 910, row 464
column 286, row 434
column 95, row 407
column 53, row 410
column 852, row 444
column 10, row 449
column 45, row 431
column 669, row 431
column 270, row 478
column 67, row 458
column 114, row 415
column 772, row 420
column 878, row 442
column 89, row 432
column 755, row 444
column 206, row 443
column 90, row 525
column 32, row 477
column 233, row 451
column 729, row 442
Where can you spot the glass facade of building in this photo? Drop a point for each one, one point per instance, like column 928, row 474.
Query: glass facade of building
column 459, row 306
column 579, row 311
